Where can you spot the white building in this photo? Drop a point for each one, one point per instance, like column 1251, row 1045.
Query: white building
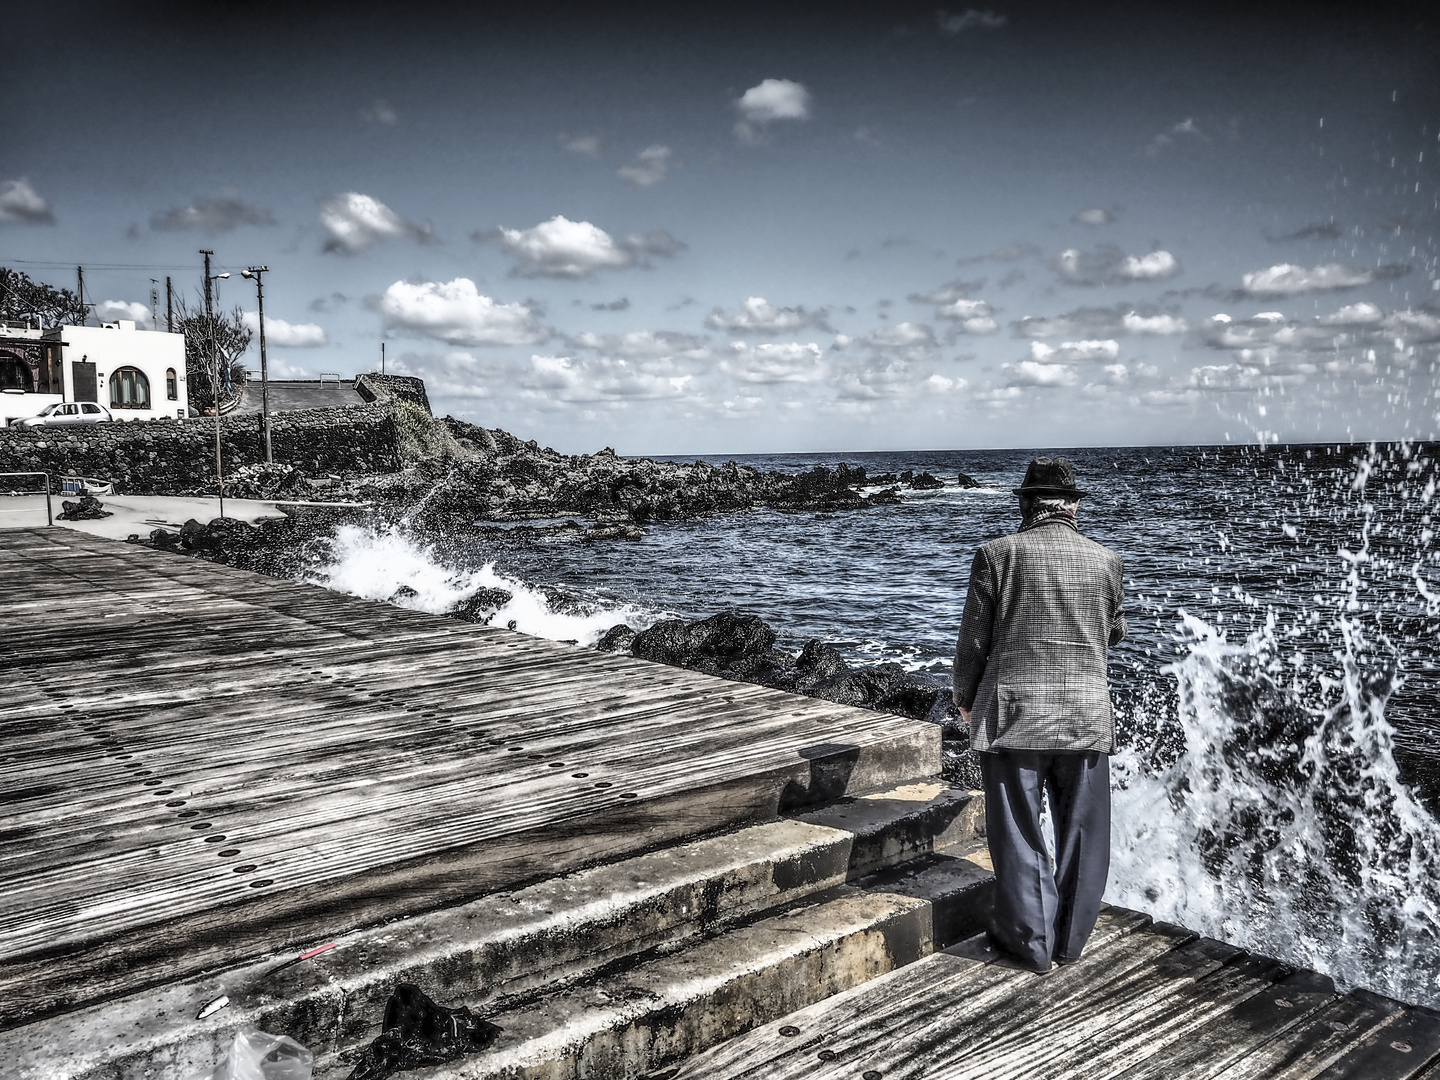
column 136, row 374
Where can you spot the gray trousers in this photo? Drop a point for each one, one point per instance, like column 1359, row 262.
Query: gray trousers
column 1045, row 913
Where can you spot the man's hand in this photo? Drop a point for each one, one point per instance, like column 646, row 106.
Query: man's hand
column 964, row 714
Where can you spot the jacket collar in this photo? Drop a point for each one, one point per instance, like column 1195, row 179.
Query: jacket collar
column 1053, row 519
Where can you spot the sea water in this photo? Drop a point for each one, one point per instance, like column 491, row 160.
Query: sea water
column 1278, row 698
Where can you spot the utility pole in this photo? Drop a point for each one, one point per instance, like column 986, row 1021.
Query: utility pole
column 256, row 272
column 214, row 378
column 382, row 358
column 169, row 306
column 209, row 306
column 154, row 304
column 80, row 286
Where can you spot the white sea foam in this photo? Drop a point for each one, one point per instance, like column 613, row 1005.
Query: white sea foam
column 1281, row 823
column 388, row 564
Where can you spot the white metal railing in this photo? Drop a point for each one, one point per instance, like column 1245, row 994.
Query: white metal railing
column 49, row 515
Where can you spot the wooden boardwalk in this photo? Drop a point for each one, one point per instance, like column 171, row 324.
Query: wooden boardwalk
column 1147, row 1001
column 202, row 765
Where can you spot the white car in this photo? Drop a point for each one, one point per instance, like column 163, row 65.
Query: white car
column 68, row 413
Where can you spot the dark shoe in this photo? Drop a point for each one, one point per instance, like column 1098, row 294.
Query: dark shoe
column 1029, row 963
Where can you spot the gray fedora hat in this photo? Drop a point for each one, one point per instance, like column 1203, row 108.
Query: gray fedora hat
column 1050, row 476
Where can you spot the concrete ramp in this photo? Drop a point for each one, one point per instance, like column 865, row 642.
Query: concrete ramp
column 290, row 395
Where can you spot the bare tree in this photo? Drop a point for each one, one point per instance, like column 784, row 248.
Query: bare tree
column 214, row 345
column 21, row 299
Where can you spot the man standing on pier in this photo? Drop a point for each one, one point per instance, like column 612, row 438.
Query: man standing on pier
column 1044, row 607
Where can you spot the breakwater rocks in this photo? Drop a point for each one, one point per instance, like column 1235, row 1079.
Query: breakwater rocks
column 495, row 476
column 737, row 646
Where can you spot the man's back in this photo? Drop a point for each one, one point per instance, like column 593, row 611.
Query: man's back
column 1043, row 607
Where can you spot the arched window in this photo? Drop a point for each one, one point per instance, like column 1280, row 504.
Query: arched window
column 15, row 373
column 129, row 389
column 172, row 385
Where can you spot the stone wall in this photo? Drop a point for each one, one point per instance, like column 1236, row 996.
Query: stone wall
column 171, row 457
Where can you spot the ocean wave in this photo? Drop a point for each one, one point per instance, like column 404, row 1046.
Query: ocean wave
column 389, row 565
column 1269, row 812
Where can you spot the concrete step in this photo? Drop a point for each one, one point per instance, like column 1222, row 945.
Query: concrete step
column 507, row 946
column 640, row 1020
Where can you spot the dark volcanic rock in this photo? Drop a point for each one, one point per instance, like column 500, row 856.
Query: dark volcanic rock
column 481, row 605
column 741, row 647
column 86, row 508
column 967, row 481
column 925, row 482
column 616, row 639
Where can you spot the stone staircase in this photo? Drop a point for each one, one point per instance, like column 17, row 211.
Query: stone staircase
column 618, row 971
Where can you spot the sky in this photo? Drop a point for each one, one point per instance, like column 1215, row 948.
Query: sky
column 752, row 228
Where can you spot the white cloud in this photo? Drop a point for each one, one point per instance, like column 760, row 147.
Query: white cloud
column 287, row 335
column 948, row 293
column 759, row 316
column 21, row 204
column 1095, row 322
column 893, row 379
column 1186, row 130
column 381, row 112
column 970, row 316
column 1035, row 373
column 1072, row 352
column 110, row 310
column 1417, row 326
column 1361, row 314
column 767, row 102
column 902, row 335
column 1157, row 264
column 1136, row 323
column 571, row 380
column 353, row 222
column 587, row 144
column 1094, row 216
column 1108, row 264
column 1286, row 279
column 576, row 249
column 770, row 363
column 455, row 312
column 211, row 215
column 650, row 166
column 970, row 19
column 644, row 344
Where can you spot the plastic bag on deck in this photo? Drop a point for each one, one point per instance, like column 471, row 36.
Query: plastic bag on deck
column 255, row 1055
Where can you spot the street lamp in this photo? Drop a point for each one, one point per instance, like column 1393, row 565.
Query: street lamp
column 255, row 272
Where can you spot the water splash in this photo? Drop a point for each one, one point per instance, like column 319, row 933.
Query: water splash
column 388, row 564
column 1262, row 804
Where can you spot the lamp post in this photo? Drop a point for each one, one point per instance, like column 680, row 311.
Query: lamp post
column 255, row 272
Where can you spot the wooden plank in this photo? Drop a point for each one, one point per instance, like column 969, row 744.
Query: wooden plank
column 353, row 757
column 1400, row 1049
column 1215, row 1043
column 1063, row 1041
column 1301, row 1052
column 883, row 1024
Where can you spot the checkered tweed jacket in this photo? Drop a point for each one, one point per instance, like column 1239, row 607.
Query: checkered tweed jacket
column 1042, row 611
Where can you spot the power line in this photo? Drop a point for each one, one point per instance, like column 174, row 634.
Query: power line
column 97, row 266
